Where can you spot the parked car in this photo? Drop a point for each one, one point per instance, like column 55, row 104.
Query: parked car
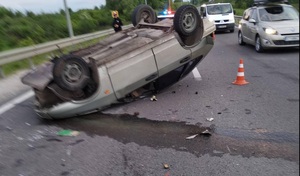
column 269, row 24
column 145, row 58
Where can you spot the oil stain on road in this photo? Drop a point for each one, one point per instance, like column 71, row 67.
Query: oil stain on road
column 167, row 134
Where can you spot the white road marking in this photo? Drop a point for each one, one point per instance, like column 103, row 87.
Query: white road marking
column 7, row 106
column 196, row 74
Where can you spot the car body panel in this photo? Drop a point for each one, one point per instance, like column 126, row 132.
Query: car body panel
column 122, row 81
column 203, row 48
column 249, row 31
column 164, row 55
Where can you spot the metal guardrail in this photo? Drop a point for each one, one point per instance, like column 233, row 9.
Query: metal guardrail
column 31, row 51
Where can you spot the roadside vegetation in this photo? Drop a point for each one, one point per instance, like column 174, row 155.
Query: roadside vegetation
column 19, row 29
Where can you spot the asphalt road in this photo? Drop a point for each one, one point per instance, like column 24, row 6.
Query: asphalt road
column 254, row 131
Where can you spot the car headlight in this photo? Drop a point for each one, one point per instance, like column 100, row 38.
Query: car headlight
column 270, row 31
column 211, row 20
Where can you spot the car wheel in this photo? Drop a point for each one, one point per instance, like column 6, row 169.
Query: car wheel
column 258, row 46
column 144, row 12
column 240, row 38
column 187, row 21
column 71, row 72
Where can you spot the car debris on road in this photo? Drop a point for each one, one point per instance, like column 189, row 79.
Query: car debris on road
column 192, row 137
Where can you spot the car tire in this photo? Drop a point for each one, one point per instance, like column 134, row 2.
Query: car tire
column 258, row 46
column 143, row 12
column 71, row 72
column 187, row 21
column 240, row 38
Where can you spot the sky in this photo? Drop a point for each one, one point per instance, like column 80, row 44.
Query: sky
column 49, row 6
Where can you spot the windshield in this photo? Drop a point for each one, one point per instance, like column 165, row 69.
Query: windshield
column 219, row 9
column 278, row 13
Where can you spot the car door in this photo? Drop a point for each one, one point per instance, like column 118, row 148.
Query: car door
column 170, row 57
column 132, row 71
column 253, row 25
column 247, row 26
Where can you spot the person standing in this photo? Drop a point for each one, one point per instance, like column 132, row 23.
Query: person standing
column 117, row 22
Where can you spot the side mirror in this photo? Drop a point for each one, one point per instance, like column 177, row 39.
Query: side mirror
column 204, row 14
column 252, row 20
column 233, row 12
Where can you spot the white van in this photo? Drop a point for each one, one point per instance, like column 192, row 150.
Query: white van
column 222, row 14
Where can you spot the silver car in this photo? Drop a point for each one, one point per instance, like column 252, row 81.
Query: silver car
column 137, row 61
column 269, row 25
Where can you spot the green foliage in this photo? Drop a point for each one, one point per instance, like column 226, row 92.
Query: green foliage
column 296, row 5
column 5, row 12
column 26, row 42
column 239, row 12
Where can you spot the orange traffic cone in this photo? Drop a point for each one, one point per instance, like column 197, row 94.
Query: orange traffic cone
column 240, row 79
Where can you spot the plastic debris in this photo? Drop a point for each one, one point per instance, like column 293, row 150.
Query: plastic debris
column 135, row 94
column 166, row 166
column 68, row 133
column 191, row 137
column 153, row 98
column 228, row 148
column 69, row 152
column 206, row 132
column 8, row 128
column 210, row 119
column 107, row 92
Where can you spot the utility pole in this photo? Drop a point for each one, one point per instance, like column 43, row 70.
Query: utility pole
column 68, row 19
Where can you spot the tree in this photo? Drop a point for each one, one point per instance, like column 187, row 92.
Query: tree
column 30, row 14
column 5, row 12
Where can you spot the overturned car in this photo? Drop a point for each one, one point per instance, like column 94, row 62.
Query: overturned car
column 147, row 57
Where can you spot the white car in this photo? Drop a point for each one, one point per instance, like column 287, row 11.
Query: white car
column 148, row 57
column 222, row 14
column 269, row 24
